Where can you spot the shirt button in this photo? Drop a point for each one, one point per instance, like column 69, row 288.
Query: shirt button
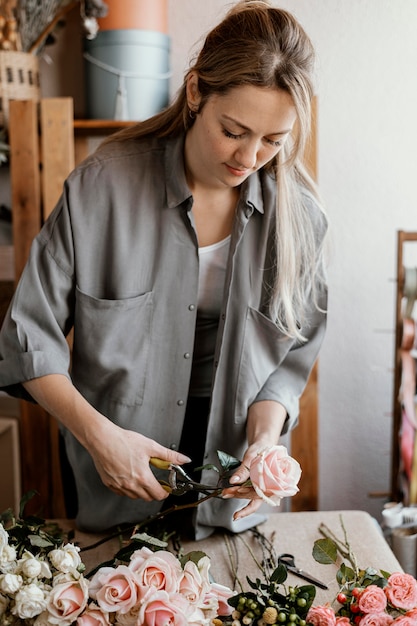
column 191, row 307
column 187, row 355
column 180, row 402
column 216, row 363
column 173, row 446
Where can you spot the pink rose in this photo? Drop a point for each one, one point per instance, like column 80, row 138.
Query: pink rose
column 274, row 474
column 405, row 620
column 342, row 621
column 67, row 601
column 115, row 589
column 221, row 594
column 376, row 619
column 401, row 591
column 372, row 600
column 93, row 616
column 160, row 608
column 160, row 569
column 192, row 585
column 321, row 616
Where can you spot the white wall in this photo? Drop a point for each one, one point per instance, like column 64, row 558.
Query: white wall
column 367, row 90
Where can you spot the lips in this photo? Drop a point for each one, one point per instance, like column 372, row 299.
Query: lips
column 237, row 172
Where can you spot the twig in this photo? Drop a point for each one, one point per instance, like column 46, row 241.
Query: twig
column 50, row 27
column 152, row 518
column 233, row 566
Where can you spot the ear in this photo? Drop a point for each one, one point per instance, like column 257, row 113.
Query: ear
column 193, row 93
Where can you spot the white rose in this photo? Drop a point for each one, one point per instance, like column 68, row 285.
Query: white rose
column 29, row 602
column 4, row 603
column 66, row 558
column 10, row 583
column 4, row 537
column 31, row 567
column 7, row 556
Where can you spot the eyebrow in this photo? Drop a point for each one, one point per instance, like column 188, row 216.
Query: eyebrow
column 232, row 119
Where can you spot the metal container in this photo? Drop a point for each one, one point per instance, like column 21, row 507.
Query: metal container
column 127, row 74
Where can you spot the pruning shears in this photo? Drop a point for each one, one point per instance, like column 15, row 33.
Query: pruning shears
column 179, row 482
column 289, row 562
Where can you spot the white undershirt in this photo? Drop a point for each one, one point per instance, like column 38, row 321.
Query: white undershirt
column 212, row 273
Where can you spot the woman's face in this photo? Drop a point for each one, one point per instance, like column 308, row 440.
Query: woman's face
column 235, row 134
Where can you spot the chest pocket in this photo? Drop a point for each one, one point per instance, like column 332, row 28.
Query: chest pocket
column 263, row 350
column 111, row 347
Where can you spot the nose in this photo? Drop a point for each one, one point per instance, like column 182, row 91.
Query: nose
column 247, row 154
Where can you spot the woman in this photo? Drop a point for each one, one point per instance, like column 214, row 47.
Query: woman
column 186, row 254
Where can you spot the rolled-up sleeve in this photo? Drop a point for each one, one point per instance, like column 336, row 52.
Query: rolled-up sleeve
column 33, row 336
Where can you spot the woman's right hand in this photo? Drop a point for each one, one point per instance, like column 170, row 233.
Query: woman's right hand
column 122, row 460
column 120, row 456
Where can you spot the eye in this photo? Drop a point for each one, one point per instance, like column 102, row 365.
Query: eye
column 231, row 135
column 276, row 144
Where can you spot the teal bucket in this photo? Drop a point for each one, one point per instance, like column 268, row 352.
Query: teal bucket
column 127, row 74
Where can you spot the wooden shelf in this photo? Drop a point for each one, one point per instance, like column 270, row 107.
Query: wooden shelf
column 100, row 127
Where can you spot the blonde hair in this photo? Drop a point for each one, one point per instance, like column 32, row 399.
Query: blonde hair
column 257, row 44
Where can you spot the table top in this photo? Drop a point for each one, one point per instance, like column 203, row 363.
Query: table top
column 293, row 533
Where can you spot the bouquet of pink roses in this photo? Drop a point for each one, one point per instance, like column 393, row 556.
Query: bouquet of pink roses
column 366, row 597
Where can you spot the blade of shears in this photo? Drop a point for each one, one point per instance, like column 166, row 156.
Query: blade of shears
column 305, row 576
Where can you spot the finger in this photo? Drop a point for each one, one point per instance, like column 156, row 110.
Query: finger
column 247, row 493
column 166, row 455
column 241, row 475
column 247, row 510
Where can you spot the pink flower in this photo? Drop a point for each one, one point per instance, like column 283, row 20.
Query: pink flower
column 221, row 594
column 405, row 620
column 115, row 589
column 160, row 569
column 376, row 619
column 401, row 591
column 342, row 621
column 162, row 609
column 192, row 585
column 274, row 474
column 93, row 616
column 67, row 601
column 321, row 616
column 372, row 600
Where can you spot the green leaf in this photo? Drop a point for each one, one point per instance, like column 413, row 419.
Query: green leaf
column 279, row 575
column 194, row 556
column 345, row 574
column 150, row 540
column 325, row 551
column 226, row 461
column 40, row 542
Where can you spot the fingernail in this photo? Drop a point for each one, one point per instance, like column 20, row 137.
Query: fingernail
column 226, row 495
column 235, row 479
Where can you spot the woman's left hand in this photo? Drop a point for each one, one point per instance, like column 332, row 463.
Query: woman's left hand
column 264, row 425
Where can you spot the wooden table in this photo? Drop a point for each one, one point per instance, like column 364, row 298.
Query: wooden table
column 290, row 532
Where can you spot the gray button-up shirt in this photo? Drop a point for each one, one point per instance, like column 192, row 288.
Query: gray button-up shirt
column 118, row 261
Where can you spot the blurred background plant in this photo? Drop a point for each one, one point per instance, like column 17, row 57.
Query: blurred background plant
column 29, row 25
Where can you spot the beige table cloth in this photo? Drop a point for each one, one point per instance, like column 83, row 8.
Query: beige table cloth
column 293, row 533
